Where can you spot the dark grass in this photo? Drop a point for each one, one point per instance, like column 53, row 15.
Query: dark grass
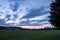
column 29, row 35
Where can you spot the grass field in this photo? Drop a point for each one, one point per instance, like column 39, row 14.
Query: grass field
column 29, row 35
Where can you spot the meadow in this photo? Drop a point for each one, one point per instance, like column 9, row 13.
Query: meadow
column 29, row 35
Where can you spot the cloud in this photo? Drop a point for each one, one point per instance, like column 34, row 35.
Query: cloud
column 2, row 22
column 16, row 12
column 35, row 21
column 33, row 12
column 16, row 17
column 2, row 15
column 42, row 17
column 38, row 8
column 14, row 4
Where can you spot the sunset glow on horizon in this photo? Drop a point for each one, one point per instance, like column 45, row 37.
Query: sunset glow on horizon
column 37, row 27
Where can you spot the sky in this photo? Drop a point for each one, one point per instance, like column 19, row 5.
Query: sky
column 24, row 12
column 37, row 27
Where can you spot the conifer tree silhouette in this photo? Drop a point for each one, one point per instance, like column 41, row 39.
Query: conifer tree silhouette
column 55, row 13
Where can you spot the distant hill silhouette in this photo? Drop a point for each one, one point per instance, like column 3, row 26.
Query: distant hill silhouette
column 9, row 28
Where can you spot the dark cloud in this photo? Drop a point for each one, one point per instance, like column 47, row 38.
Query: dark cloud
column 34, row 22
column 2, row 22
column 14, row 6
column 15, row 16
column 36, row 12
column 8, row 16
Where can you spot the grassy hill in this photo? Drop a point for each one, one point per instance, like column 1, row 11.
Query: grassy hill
column 29, row 35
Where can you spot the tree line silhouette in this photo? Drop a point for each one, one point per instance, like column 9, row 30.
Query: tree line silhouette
column 19, row 28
